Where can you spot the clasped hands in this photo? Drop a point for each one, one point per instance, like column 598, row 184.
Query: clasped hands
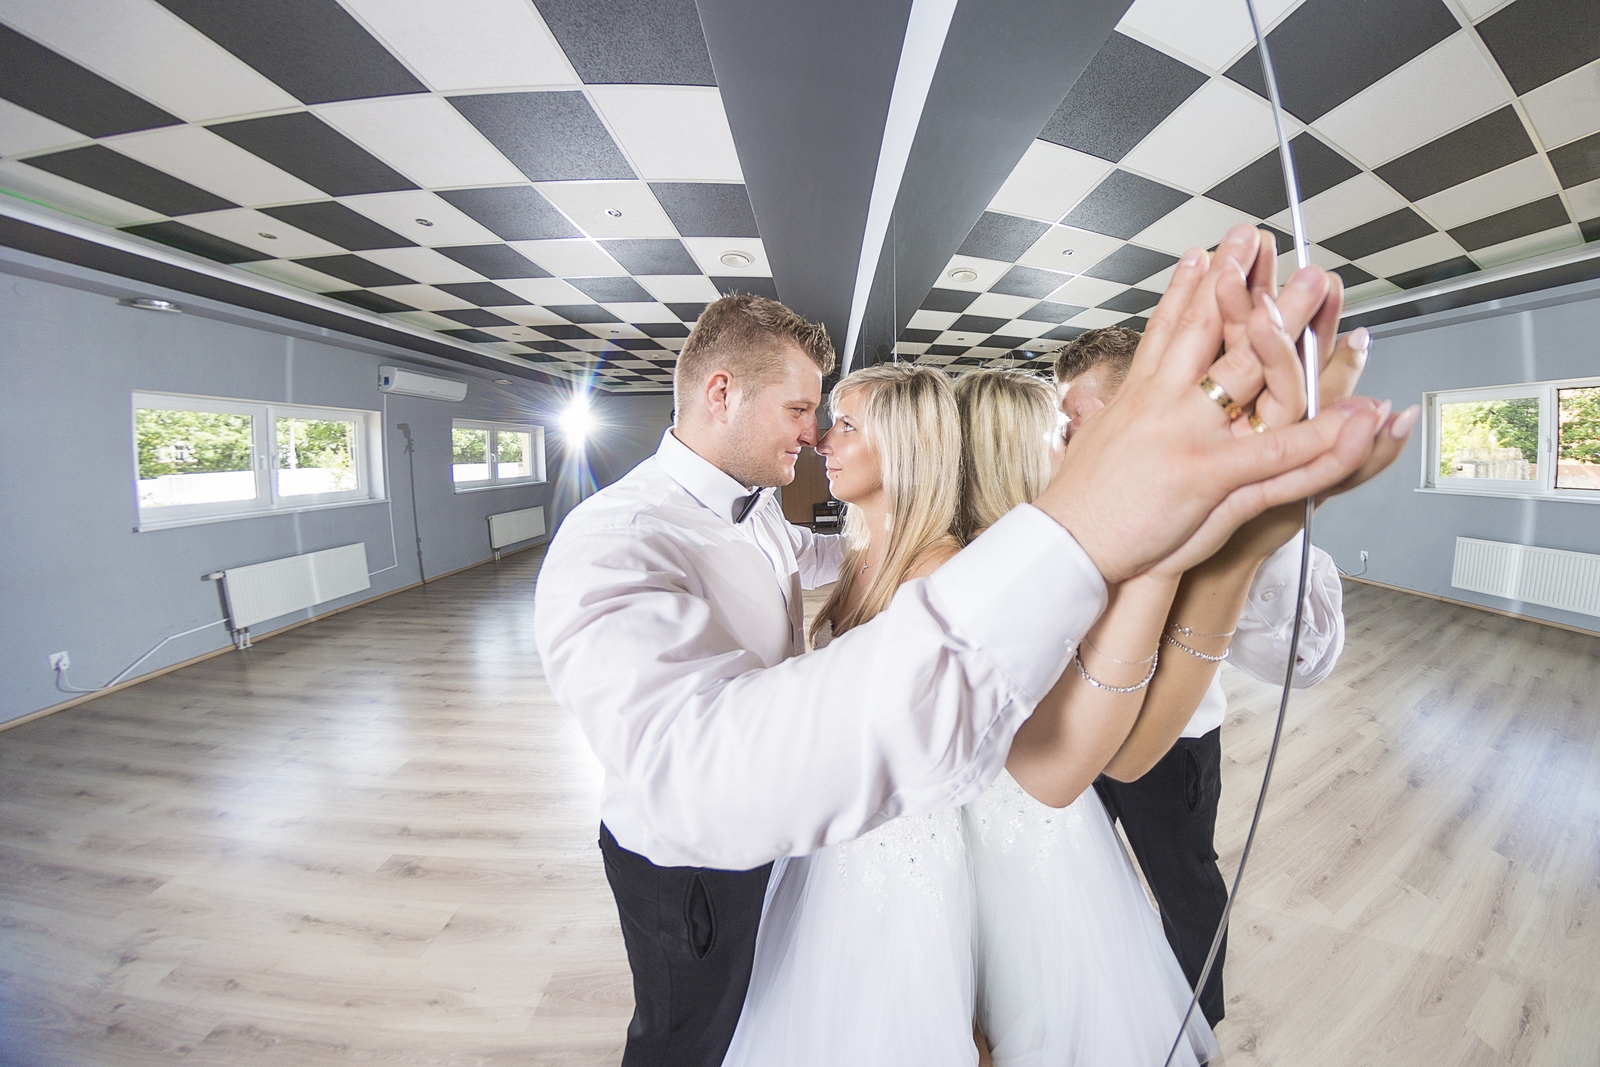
column 1162, row 475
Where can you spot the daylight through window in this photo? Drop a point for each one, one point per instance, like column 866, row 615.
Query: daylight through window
column 1541, row 440
column 487, row 454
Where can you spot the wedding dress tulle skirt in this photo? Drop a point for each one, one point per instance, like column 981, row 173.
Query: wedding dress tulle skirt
column 864, row 958
column 1072, row 967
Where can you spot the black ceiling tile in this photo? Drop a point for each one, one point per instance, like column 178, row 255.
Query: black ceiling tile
column 37, row 78
column 314, row 152
column 512, row 212
column 645, row 256
column 356, row 271
column 1258, row 189
column 472, row 335
column 100, row 168
column 920, row 337
column 475, row 317
column 947, row 300
column 1123, row 94
column 1577, row 162
column 1132, row 301
column 1049, row 311
column 1329, row 50
column 664, row 329
column 1395, row 228
column 1002, row 341
column 612, row 290
column 706, row 209
column 978, row 324
column 1130, row 264
column 1508, row 225
column 1002, row 237
column 484, row 294
column 747, row 286
column 1591, row 229
column 1353, row 275
column 539, row 353
column 688, row 312
column 1435, row 272
column 313, row 49
column 946, row 350
column 1536, row 41
column 1064, row 333
column 1124, row 204
column 549, row 346
column 580, row 313
column 1284, row 239
column 637, row 344
column 1477, row 148
column 1029, row 281
column 1136, row 322
column 495, row 261
column 334, row 222
column 549, row 136
column 199, row 242
column 372, row 302
column 647, row 42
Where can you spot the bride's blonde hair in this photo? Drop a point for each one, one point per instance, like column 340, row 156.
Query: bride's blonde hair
column 1007, row 419
column 909, row 417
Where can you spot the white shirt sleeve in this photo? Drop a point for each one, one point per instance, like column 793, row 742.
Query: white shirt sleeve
column 820, row 556
column 1261, row 647
column 713, row 758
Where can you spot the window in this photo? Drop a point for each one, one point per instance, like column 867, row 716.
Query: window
column 200, row 458
column 488, row 454
column 1535, row 440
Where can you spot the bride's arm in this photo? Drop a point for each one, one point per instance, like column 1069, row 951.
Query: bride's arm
column 1079, row 726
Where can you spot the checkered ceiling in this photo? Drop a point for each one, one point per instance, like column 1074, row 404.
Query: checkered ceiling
column 1432, row 137
column 544, row 180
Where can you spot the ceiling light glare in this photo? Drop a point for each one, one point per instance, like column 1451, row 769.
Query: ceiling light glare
column 963, row 274
column 737, row 259
column 577, row 421
column 613, row 212
column 151, row 303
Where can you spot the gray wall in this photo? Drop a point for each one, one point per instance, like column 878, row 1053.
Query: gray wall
column 1411, row 535
column 75, row 576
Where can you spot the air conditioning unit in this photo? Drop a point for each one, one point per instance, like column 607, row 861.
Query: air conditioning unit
column 413, row 383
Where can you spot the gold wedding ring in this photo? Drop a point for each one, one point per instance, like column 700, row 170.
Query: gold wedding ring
column 1256, row 424
column 1229, row 405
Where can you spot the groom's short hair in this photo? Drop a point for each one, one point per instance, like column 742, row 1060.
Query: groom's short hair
column 746, row 336
column 1110, row 346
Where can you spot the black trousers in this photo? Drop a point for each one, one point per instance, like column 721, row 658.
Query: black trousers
column 691, row 938
column 1170, row 819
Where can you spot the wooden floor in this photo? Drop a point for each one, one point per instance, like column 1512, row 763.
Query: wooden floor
column 371, row 840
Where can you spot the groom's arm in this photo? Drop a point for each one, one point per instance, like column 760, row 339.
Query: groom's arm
column 820, row 556
column 714, row 759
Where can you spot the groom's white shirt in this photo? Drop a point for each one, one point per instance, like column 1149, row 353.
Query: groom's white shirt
column 673, row 634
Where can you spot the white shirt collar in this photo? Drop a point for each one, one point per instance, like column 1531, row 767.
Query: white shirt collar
column 700, row 478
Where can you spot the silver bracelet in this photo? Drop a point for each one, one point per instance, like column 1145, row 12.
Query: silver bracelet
column 1195, row 652
column 1185, row 631
column 1124, row 662
column 1155, row 658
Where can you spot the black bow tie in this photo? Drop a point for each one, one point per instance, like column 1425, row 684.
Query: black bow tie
column 744, row 505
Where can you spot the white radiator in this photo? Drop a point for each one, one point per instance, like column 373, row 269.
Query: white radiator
column 509, row 527
column 265, row 591
column 1549, row 577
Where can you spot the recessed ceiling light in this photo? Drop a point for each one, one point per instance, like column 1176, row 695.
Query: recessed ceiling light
column 613, row 212
column 736, row 259
column 422, row 222
column 502, row 381
column 1067, row 251
column 268, row 236
column 962, row 274
column 151, row 303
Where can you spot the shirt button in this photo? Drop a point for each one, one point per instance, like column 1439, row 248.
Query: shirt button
column 1269, row 594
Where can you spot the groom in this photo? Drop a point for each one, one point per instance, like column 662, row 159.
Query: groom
column 668, row 616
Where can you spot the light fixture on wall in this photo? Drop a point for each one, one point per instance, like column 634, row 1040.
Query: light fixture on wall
column 502, row 381
column 151, row 303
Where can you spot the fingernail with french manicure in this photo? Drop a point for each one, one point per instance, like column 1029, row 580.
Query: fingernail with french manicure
column 1307, row 278
column 1404, row 422
column 1383, row 411
column 1272, row 309
column 1361, row 339
column 1192, row 257
column 1240, row 235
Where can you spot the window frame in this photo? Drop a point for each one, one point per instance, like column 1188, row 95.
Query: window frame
column 1542, row 487
column 492, row 454
column 366, row 457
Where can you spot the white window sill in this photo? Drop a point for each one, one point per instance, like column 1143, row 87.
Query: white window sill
column 1563, row 496
column 480, row 487
column 173, row 524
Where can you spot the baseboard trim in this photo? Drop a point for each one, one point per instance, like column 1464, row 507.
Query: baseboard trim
column 120, row 686
column 1477, row 607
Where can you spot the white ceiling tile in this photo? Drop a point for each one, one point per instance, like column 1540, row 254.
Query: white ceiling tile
column 530, row 314
column 1198, row 222
column 1585, row 200
column 1214, row 34
column 1048, row 180
column 201, row 158
column 585, row 344
column 641, row 312
column 1049, row 251
column 69, row 196
column 244, row 226
column 1027, row 328
column 570, row 258
column 1350, row 203
column 1522, row 182
column 1526, row 247
column 427, row 320
column 301, row 277
column 22, row 132
column 424, row 138
column 143, row 47
column 680, row 288
column 400, row 211
column 1096, row 318
column 513, row 333
column 1319, row 256
column 425, row 298
column 961, row 337
column 931, row 320
column 672, row 133
column 589, row 206
column 421, row 265
column 1447, row 86
column 989, row 271
column 1567, row 108
column 1158, row 282
column 543, row 291
column 469, row 44
column 1086, row 292
column 1434, row 248
column 708, row 252
column 1476, row 9
column 1216, row 131
column 1000, row 305
column 910, row 348
column 1373, row 290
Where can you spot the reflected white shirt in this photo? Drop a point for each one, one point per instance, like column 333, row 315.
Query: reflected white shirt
column 672, row 634
column 1261, row 646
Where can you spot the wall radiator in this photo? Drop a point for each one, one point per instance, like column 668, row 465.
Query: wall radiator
column 509, row 527
column 265, row 591
column 1549, row 577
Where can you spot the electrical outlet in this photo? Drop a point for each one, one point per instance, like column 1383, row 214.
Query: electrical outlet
column 1363, row 555
column 60, row 661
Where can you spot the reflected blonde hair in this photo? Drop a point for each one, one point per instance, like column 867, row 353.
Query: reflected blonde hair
column 909, row 419
column 1007, row 419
